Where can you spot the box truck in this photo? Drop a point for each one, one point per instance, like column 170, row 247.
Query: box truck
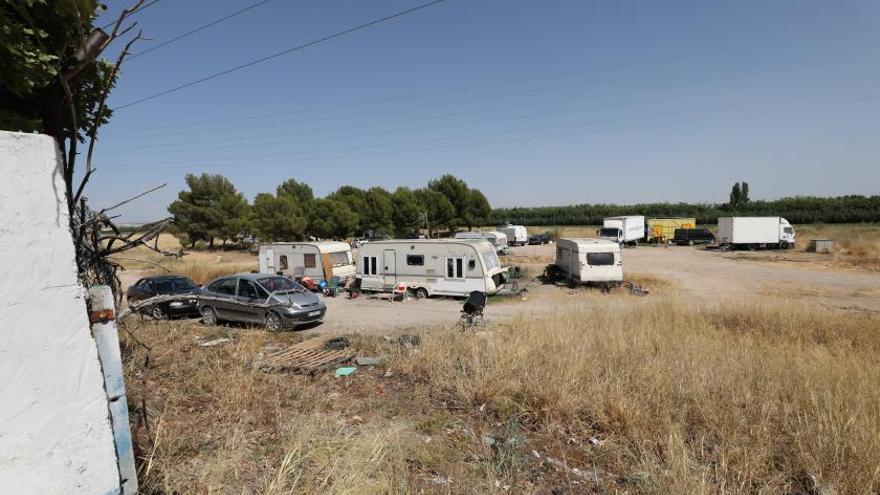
column 446, row 267
column 663, row 229
column 755, row 232
column 628, row 229
column 590, row 261
column 517, row 235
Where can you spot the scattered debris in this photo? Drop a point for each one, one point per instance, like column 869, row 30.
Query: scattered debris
column 387, row 373
column 337, row 344
column 636, row 290
column 409, row 340
column 536, row 454
column 345, row 370
column 212, row 343
column 367, row 360
column 564, row 466
column 488, row 441
column 439, row 480
column 307, row 356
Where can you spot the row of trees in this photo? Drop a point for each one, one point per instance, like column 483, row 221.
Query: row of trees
column 213, row 208
column 800, row 209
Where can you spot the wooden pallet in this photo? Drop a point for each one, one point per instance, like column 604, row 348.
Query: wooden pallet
column 307, row 356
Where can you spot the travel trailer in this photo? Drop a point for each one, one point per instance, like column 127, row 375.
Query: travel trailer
column 497, row 239
column 316, row 260
column 623, row 230
column 517, row 235
column 755, row 232
column 446, row 267
column 590, row 261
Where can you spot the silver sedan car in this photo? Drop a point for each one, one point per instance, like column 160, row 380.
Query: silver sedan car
column 270, row 300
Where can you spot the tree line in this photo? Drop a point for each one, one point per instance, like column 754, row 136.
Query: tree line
column 213, row 209
column 799, row 209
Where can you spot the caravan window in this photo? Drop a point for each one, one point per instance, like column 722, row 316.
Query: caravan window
column 282, row 260
column 600, row 259
column 415, row 259
column 454, row 267
column 490, row 260
column 370, row 265
column 339, row 258
column 309, row 261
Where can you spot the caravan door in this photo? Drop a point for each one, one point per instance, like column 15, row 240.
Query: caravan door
column 269, row 261
column 389, row 275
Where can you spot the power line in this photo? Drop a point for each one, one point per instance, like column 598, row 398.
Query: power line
column 141, row 136
column 284, row 52
column 196, row 30
column 389, row 99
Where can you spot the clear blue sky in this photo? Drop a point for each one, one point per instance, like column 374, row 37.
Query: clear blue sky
column 533, row 102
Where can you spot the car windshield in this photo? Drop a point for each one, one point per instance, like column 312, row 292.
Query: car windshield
column 174, row 284
column 280, row 285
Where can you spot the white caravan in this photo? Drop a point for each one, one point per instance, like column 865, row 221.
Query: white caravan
column 517, row 235
column 590, row 261
column 623, row 230
column 755, row 232
column 316, row 260
column 446, row 267
column 497, row 239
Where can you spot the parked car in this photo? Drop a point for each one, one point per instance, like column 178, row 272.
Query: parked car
column 536, row 239
column 270, row 300
column 691, row 237
column 148, row 287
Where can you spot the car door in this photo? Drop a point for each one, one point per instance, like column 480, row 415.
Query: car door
column 224, row 298
column 246, row 299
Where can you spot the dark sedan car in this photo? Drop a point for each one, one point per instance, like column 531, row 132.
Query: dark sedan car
column 146, row 288
column 270, row 300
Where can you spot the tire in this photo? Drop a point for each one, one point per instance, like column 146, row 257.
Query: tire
column 209, row 316
column 421, row 293
column 274, row 322
column 158, row 313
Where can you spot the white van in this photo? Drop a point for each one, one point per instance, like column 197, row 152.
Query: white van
column 590, row 261
column 517, row 235
column 497, row 239
column 316, row 260
column 447, row 267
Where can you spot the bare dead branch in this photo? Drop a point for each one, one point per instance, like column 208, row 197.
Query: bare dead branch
column 129, row 200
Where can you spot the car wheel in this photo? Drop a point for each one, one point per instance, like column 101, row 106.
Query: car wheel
column 157, row 313
column 421, row 293
column 273, row 322
column 209, row 316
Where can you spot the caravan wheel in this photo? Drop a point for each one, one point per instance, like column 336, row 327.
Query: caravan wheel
column 421, row 293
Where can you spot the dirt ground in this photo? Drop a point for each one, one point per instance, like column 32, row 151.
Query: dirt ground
column 705, row 275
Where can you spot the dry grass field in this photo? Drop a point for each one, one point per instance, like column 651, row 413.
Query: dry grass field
column 667, row 399
column 735, row 375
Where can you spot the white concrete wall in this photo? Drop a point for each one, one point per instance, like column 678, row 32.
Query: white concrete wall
column 55, row 434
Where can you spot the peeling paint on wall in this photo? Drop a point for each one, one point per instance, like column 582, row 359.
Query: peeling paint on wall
column 55, row 431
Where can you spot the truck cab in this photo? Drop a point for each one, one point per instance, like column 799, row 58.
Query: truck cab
column 613, row 234
column 786, row 234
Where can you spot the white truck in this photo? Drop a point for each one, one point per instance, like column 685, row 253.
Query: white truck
column 629, row 229
column 517, row 235
column 755, row 232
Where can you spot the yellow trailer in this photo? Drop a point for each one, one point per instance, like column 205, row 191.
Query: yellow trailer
column 663, row 229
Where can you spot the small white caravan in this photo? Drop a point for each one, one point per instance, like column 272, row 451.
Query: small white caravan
column 317, row 260
column 446, row 267
column 590, row 261
column 497, row 239
column 517, row 235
